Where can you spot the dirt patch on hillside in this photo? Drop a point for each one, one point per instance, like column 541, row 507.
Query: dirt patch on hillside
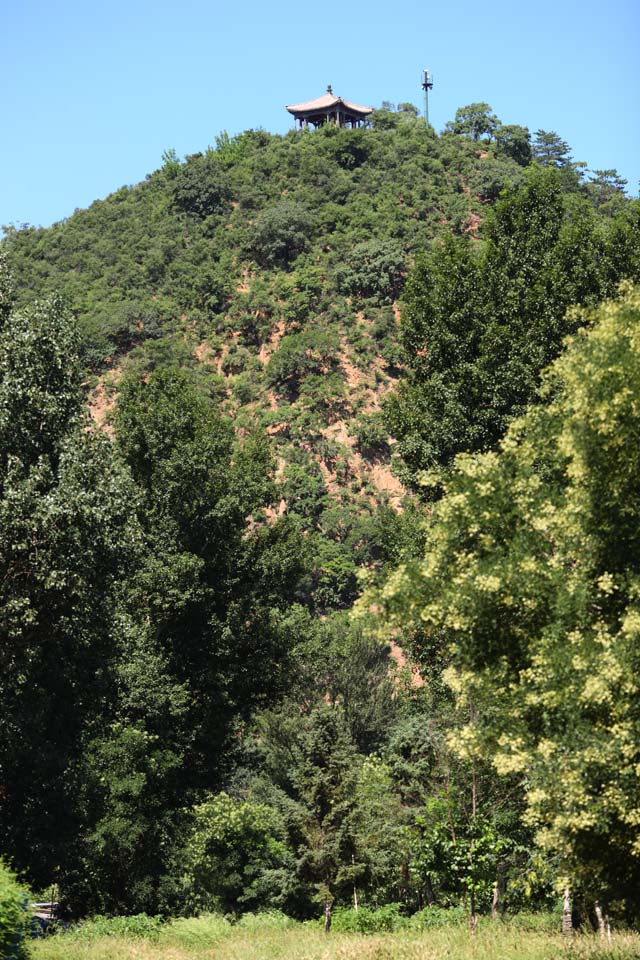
column 473, row 223
column 401, row 661
column 271, row 345
column 339, row 432
column 103, row 398
column 204, row 353
column 386, row 481
column 354, row 376
column 244, row 284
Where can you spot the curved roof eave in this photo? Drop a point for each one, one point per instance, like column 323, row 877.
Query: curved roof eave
column 325, row 102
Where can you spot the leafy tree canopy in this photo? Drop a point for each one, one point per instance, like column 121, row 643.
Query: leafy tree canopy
column 478, row 326
column 475, row 120
column 531, row 575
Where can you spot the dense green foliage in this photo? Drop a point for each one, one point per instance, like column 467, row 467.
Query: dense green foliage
column 531, row 573
column 14, row 917
column 67, row 540
column 479, row 326
column 143, row 614
column 191, row 719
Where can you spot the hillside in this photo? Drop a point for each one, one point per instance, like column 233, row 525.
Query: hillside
column 270, row 337
column 271, row 267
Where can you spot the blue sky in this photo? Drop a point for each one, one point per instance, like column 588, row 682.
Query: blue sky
column 92, row 94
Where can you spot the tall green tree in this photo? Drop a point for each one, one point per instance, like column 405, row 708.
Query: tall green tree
column 475, row 120
column 478, row 327
column 531, row 575
column 314, row 766
column 143, row 611
column 236, row 855
column 550, row 150
column 68, row 536
column 514, row 141
column 40, row 396
column 608, row 190
column 217, row 579
column 131, row 783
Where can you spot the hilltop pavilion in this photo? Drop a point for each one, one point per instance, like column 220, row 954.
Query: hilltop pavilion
column 329, row 109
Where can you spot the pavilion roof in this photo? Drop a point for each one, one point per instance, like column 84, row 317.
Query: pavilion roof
column 325, row 102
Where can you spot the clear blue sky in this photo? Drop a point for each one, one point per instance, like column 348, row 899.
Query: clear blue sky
column 92, row 93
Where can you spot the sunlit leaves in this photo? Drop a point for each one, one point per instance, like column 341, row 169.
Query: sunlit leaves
column 531, row 571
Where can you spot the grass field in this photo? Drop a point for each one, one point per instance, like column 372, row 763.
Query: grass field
column 212, row 938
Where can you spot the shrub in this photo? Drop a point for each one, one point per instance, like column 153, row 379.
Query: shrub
column 14, row 915
column 266, row 920
column 281, row 233
column 304, row 489
column 351, row 148
column 366, row 920
column 196, row 931
column 374, row 268
column 244, row 388
column 490, row 178
column 300, row 355
column 514, row 141
column 140, row 926
column 236, row 360
column 233, row 848
column 435, row 916
column 201, row 187
column 371, row 435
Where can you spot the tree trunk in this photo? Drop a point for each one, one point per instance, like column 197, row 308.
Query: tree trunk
column 355, row 889
column 428, row 889
column 405, row 886
column 474, row 792
column 567, row 919
column 473, row 916
column 600, row 918
column 498, row 892
column 327, row 916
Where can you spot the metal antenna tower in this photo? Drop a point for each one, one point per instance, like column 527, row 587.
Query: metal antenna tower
column 427, row 84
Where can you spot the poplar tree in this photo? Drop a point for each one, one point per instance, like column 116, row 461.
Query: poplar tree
column 479, row 326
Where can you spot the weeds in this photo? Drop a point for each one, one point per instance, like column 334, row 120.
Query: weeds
column 273, row 936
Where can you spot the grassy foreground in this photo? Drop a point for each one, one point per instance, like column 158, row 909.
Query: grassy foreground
column 211, row 938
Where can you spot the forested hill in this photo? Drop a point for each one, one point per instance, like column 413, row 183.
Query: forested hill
column 270, row 267
column 192, row 717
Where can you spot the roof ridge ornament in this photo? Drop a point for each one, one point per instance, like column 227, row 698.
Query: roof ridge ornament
column 329, row 90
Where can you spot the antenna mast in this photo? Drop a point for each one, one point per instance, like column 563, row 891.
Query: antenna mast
column 427, row 84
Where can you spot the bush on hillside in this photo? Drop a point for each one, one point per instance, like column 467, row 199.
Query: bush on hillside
column 371, row 435
column 201, row 187
column 281, row 233
column 300, row 355
column 374, row 268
